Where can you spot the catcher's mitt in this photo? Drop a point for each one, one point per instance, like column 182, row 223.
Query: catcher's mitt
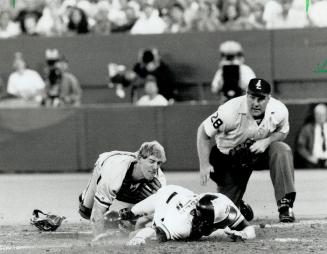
column 241, row 156
column 134, row 193
column 46, row 222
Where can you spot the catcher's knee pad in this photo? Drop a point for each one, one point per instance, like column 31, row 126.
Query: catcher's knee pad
column 84, row 211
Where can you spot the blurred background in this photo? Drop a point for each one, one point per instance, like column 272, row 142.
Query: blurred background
column 80, row 77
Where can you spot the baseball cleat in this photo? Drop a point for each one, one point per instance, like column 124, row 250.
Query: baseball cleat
column 285, row 210
column 286, row 215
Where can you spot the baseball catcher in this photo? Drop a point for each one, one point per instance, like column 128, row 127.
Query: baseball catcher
column 121, row 179
column 46, row 222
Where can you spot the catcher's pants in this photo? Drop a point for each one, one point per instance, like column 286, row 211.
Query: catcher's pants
column 232, row 182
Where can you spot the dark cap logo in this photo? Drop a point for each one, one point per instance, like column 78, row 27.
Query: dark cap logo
column 259, row 87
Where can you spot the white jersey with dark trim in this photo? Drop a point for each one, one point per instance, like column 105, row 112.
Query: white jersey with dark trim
column 232, row 123
column 173, row 212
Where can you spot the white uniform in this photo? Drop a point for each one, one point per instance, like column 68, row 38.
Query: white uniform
column 232, row 123
column 172, row 205
column 109, row 173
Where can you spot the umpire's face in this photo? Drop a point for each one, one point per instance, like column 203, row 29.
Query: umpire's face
column 150, row 166
column 257, row 104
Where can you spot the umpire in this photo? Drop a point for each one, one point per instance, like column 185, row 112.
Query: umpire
column 249, row 131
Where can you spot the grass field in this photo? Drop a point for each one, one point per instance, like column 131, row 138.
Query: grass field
column 57, row 193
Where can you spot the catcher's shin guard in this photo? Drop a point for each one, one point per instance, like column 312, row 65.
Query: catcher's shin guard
column 83, row 210
column 246, row 211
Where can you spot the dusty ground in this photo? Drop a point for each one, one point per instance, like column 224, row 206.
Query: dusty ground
column 301, row 237
column 58, row 193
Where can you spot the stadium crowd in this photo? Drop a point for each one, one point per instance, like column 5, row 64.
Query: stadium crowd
column 71, row 17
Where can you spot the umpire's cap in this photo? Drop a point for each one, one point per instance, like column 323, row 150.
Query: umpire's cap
column 259, row 87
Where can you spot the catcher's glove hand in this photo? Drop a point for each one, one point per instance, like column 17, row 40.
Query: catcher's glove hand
column 142, row 190
column 124, row 220
column 241, row 156
column 46, row 222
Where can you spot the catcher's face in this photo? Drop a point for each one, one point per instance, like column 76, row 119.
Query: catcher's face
column 257, row 105
column 150, row 166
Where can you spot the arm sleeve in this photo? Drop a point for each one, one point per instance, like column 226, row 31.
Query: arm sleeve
column 108, row 186
column 215, row 123
column 283, row 125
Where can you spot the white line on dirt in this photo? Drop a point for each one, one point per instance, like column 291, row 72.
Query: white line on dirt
column 29, row 247
column 287, row 240
column 294, row 224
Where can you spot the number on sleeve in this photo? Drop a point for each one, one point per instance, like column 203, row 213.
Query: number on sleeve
column 216, row 121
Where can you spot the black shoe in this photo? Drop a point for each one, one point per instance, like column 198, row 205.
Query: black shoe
column 246, row 211
column 285, row 210
column 83, row 210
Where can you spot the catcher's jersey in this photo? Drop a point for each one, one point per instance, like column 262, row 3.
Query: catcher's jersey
column 112, row 168
column 173, row 212
column 232, row 123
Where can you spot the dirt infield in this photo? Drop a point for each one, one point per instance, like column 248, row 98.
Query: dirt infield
column 58, row 193
column 307, row 236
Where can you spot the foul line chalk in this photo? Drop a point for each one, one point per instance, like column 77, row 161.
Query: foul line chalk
column 294, row 224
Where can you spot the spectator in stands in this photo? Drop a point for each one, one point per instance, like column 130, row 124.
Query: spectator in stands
column 51, row 22
column 127, row 20
column 151, row 63
column 28, row 21
column 8, row 28
column 256, row 18
column 312, row 140
column 25, row 84
column 174, row 19
column 149, row 22
column 208, row 17
column 102, row 23
column 151, row 97
column 230, row 15
column 191, row 12
column 317, row 13
column 282, row 14
column 246, row 20
column 233, row 75
column 78, row 22
column 63, row 88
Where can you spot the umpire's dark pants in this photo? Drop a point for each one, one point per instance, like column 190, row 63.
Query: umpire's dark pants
column 232, row 181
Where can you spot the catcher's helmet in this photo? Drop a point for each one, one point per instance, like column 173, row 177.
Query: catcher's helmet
column 205, row 209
